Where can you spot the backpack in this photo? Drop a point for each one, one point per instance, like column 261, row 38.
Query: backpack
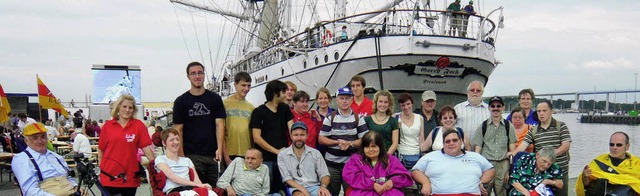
column 506, row 125
column 334, row 113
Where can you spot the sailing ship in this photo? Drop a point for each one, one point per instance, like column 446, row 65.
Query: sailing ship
column 402, row 46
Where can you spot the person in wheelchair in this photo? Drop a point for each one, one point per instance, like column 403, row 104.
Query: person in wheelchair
column 613, row 173
column 177, row 168
column 530, row 172
column 40, row 171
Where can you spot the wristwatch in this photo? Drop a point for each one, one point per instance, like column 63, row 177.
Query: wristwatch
column 352, row 146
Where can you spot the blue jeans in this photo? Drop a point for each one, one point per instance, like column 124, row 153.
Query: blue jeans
column 274, row 177
column 313, row 190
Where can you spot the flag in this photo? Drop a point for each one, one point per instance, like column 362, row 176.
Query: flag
column 4, row 106
column 48, row 101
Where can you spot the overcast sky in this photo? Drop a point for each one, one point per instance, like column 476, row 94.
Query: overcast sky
column 549, row 46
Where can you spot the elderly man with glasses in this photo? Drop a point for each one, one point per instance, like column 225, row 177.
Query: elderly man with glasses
column 473, row 111
column 303, row 168
column 618, row 169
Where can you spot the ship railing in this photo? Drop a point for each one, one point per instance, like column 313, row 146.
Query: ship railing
column 384, row 23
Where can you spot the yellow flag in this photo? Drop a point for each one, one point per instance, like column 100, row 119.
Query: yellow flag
column 4, row 106
column 48, row 101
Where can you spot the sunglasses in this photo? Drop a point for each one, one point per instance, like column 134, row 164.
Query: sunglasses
column 298, row 171
column 616, row 144
column 451, row 140
column 496, row 106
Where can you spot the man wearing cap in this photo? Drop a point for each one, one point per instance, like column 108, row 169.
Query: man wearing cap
column 428, row 112
column 494, row 139
column 40, row 171
column 302, row 167
column 341, row 133
column 469, row 11
column 472, row 112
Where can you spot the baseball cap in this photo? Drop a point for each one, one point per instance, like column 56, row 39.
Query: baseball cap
column 496, row 98
column 428, row 95
column 34, row 128
column 298, row 125
column 344, row 91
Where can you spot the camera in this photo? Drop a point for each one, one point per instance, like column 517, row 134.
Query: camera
column 87, row 174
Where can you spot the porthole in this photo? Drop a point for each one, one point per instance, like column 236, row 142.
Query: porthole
column 282, row 70
column 316, row 60
column 326, row 58
column 336, row 56
column 304, row 64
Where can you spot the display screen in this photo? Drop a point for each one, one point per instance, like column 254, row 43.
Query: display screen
column 109, row 84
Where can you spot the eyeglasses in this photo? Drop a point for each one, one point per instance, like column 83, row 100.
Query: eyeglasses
column 496, row 106
column 196, row 74
column 451, row 140
column 615, row 144
column 475, row 90
column 298, row 171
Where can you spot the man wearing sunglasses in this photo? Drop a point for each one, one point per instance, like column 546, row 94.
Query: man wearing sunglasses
column 495, row 139
column 553, row 133
column 620, row 168
column 303, row 168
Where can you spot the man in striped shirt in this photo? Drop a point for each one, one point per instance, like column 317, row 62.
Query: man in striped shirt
column 341, row 133
column 472, row 112
column 553, row 133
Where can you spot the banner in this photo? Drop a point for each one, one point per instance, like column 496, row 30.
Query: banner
column 4, row 106
column 48, row 100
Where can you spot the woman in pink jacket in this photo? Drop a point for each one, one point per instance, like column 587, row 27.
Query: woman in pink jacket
column 370, row 172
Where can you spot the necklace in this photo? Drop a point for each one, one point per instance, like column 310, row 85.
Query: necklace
column 376, row 116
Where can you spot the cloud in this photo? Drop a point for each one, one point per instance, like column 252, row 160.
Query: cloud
column 614, row 64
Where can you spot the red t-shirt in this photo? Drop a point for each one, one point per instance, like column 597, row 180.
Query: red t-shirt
column 364, row 109
column 119, row 148
column 313, row 126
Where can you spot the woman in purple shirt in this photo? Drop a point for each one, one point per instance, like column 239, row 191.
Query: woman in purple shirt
column 370, row 172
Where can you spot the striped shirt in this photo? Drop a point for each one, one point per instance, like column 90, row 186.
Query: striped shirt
column 470, row 117
column 345, row 128
column 552, row 136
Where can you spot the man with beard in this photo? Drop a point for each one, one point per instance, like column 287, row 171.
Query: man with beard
column 553, row 133
column 472, row 112
column 302, row 167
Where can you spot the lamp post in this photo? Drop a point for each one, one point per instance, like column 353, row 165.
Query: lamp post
column 635, row 99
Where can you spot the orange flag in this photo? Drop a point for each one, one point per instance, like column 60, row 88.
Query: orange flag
column 48, row 101
column 4, row 106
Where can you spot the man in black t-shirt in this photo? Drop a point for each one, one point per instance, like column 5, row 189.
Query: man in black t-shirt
column 269, row 125
column 199, row 116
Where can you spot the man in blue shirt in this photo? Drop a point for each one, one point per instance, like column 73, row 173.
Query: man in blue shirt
column 38, row 170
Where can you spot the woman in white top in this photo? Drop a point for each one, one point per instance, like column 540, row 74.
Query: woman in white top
column 177, row 168
column 448, row 118
column 411, row 132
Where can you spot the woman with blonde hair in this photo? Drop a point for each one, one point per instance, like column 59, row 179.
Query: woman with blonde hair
column 382, row 122
column 120, row 139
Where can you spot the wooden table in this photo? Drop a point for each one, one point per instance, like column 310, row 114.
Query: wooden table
column 63, row 137
column 6, row 155
column 59, row 143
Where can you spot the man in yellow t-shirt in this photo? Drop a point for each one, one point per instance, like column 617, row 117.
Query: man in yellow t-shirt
column 238, row 135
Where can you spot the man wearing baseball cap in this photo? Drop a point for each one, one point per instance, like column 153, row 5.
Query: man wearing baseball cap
column 428, row 112
column 495, row 139
column 303, row 167
column 40, row 171
column 341, row 133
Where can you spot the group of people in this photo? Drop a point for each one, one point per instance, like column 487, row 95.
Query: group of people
column 459, row 18
column 360, row 148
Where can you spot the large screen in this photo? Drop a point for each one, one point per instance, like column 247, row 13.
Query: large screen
column 109, row 82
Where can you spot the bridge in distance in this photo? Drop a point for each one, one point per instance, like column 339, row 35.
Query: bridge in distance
column 576, row 104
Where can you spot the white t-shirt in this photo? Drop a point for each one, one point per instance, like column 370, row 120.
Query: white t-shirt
column 81, row 145
column 179, row 168
column 410, row 136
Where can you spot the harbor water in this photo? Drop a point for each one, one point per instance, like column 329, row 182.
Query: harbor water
column 590, row 140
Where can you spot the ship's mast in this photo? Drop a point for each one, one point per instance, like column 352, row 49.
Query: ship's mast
column 341, row 9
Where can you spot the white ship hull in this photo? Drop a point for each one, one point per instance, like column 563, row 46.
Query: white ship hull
column 405, row 66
